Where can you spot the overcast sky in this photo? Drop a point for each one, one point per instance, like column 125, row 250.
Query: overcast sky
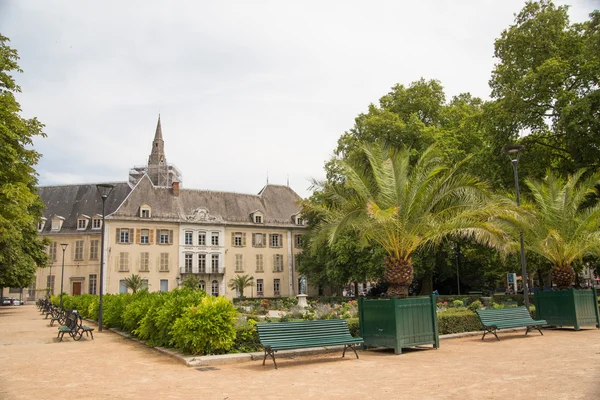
column 244, row 88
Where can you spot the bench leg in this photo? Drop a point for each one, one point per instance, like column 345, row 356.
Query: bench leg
column 490, row 330
column 270, row 353
column 351, row 346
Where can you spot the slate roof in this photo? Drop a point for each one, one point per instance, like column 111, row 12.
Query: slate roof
column 277, row 203
column 71, row 201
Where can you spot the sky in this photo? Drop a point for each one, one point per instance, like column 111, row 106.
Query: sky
column 246, row 90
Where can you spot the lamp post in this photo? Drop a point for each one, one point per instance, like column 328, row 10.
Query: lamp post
column 62, row 275
column 514, row 153
column 50, row 286
column 104, row 190
column 457, row 257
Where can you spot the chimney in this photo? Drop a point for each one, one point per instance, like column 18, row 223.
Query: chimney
column 175, row 188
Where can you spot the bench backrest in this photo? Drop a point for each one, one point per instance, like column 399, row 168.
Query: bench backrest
column 303, row 329
column 503, row 314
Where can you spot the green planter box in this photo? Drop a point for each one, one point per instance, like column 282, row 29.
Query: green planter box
column 398, row 323
column 571, row 307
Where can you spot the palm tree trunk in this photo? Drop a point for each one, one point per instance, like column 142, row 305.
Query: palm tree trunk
column 563, row 276
column 399, row 275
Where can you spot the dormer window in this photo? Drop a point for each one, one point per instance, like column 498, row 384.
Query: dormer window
column 145, row 211
column 297, row 219
column 57, row 222
column 82, row 222
column 96, row 222
column 40, row 224
column 257, row 217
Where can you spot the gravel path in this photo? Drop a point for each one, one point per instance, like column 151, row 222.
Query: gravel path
column 562, row 364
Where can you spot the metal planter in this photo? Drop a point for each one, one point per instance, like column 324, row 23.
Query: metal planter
column 399, row 323
column 571, row 307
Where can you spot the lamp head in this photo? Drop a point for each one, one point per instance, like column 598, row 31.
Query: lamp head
column 104, row 189
column 64, row 246
column 513, row 151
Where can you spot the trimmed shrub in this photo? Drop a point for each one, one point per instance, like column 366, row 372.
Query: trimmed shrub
column 172, row 308
column 476, row 305
column 458, row 303
column 456, row 321
column 136, row 310
column 246, row 339
column 113, row 307
column 208, row 328
column 354, row 326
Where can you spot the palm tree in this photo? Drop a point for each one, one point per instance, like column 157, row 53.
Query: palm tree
column 134, row 282
column 404, row 207
column 567, row 226
column 191, row 282
column 240, row 282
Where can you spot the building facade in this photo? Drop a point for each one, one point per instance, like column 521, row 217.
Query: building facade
column 163, row 232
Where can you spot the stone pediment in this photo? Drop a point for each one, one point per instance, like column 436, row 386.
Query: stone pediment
column 202, row 215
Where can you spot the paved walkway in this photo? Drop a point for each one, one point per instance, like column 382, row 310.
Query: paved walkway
column 562, row 364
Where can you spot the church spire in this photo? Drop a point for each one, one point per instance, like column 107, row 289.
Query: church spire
column 158, row 134
column 157, row 155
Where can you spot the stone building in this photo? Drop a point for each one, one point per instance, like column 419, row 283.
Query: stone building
column 163, row 232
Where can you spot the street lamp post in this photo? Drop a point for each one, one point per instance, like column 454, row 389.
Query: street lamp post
column 514, row 153
column 104, row 190
column 457, row 256
column 62, row 275
column 50, row 285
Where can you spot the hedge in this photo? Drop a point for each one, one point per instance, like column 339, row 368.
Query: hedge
column 457, row 321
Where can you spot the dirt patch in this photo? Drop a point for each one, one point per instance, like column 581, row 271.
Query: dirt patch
column 562, row 364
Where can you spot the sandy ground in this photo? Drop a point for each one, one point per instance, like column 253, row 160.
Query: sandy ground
column 562, row 364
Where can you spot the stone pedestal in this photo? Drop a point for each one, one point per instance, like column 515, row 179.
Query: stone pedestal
column 302, row 300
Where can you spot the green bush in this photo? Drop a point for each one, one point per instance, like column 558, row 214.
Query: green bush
column 476, row 305
column 458, row 303
column 457, row 321
column 354, row 326
column 147, row 329
column 175, row 304
column 207, row 328
column 246, row 339
column 92, row 312
column 113, row 306
column 136, row 310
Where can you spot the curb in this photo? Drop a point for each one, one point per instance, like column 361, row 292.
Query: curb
column 235, row 358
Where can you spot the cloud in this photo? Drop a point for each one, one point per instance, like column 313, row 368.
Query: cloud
column 243, row 88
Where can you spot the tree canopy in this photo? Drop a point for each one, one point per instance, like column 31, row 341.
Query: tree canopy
column 21, row 249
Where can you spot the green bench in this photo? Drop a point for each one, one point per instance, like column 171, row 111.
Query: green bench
column 305, row 334
column 494, row 319
column 74, row 327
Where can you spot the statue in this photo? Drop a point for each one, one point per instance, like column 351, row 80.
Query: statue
column 303, row 285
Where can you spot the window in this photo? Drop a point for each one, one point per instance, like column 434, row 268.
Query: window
column 164, row 285
column 238, row 239
column 92, row 284
column 202, row 239
column 145, row 236
column 94, row 249
column 188, row 238
column 276, row 288
column 215, row 288
column 202, row 263
column 144, row 284
column 123, row 262
column 258, row 219
column 276, row 240
column 41, row 223
column 145, row 262
column 145, row 212
column 214, row 240
column 52, row 251
column 50, row 283
column 164, row 262
column 259, row 239
column 96, row 223
column 239, row 263
column 57, row 222
column 165, row 236
column 202, row 285
column 189, row 259
column 298, row 241
column 300, row 221
column 78, row 250
column 123, row 235
column 81, row 224
column 122, row 287
column 259, row 287
column 259, row 263
column 277, row 262
column 214, row 266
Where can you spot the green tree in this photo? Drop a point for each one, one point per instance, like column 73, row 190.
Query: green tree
column 133, row 282
column 546, row 85
column 566, row 227
column 191, row 282
column 21, row 249
column 240, row 282
column 402, row 208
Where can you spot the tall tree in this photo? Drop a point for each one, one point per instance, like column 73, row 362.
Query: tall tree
column 240, row 282
column 566, row 229
column 21, row 250
column 134, row 282
column 547, row 89
column 402, row 207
